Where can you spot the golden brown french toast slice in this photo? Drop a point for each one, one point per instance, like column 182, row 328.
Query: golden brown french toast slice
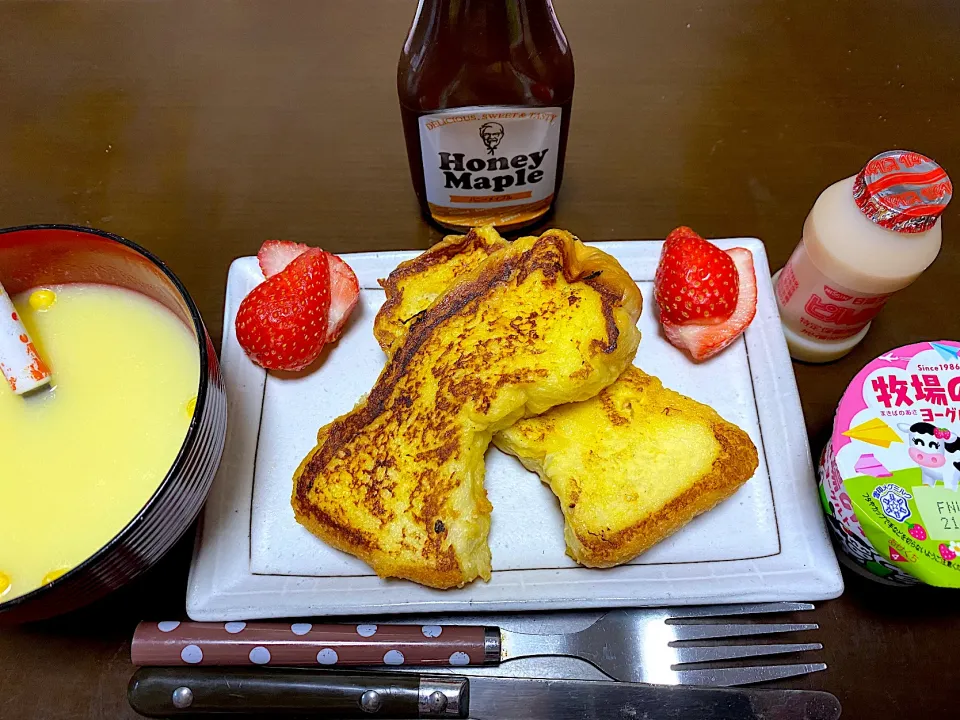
column 413, row 285
column 623, row 458
column 398, row 481
column 632, row 465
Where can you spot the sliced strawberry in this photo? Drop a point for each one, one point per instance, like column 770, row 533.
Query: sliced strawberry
column 344, row 294
column 282, row 323
column 275, row 255
column 696, row 282
column 703, row 341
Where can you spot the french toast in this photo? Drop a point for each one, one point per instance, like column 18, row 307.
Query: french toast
column 415, row 284
column 631, row 466
column 398, row 481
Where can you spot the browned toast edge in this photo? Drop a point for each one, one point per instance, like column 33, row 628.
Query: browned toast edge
column 442, row 252
column 735, row 465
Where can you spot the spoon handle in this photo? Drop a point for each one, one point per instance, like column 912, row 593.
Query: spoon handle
column 20, row 362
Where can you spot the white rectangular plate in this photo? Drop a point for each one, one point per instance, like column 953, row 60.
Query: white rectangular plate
column 768, row 542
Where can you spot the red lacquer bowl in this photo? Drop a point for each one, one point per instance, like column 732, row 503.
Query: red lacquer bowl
column 57, row 254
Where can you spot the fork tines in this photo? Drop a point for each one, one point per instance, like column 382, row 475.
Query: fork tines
column 701, row 611
column 728, row 677
column 723, row 677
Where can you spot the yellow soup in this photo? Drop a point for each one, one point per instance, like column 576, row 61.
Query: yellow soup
column 78, row 461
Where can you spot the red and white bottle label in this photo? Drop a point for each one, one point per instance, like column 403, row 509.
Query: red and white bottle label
column 814, row 306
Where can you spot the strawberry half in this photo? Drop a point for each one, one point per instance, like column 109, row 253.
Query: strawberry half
column 696, row 282
column 275, row 255
column 282, row 323
column 703, row 341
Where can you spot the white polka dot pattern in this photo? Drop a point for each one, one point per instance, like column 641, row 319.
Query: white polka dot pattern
column 191, row 654
column 393, row 657
column 306, row 644
column 260, row 655
column 459, row 658
column 327, row 656
column 168, row 625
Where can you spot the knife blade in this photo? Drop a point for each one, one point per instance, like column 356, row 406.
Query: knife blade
column 169, row 692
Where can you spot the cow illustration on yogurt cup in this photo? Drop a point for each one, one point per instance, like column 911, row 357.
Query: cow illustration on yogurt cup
column 927, row 447
column 951, row 470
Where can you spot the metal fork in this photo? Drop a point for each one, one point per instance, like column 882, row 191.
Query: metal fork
column 640, row 645
column 633, row 645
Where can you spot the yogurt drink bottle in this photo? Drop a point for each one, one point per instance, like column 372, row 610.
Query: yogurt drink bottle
column 866, row 237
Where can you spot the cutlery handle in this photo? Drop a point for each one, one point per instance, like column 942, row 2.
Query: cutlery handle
column 307, row 645
column 172, row 692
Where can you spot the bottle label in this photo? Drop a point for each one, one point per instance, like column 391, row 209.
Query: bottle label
column 490, row 164
column 813, row 305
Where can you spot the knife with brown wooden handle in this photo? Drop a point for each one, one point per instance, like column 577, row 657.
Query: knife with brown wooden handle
column 172, row 692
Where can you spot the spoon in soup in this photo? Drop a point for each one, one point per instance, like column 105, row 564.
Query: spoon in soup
column 20, row 363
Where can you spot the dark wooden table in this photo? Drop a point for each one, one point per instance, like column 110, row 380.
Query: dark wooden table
column 201, row 129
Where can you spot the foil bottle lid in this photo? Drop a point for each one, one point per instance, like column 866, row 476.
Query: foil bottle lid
column 902, row 191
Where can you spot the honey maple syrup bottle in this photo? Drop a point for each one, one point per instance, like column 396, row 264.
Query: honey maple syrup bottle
column 485, row 93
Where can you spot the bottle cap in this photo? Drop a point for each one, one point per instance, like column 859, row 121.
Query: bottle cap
column 903, row 191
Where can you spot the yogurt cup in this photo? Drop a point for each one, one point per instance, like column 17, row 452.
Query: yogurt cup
column 889, row 476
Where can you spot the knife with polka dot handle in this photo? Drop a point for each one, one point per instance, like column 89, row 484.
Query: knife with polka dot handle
column 300, row 644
